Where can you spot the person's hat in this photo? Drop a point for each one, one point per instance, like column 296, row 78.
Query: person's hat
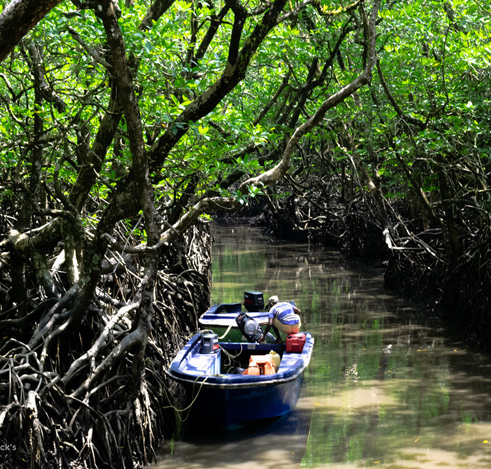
column 273, row 300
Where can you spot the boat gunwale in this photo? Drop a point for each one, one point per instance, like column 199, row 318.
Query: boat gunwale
column 233, row 381
column 202, row 381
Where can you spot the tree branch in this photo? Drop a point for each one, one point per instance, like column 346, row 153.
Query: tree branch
column 274, row 174
column 394, row 104
column 233, row 74
column 18, row 18
column 158, row 8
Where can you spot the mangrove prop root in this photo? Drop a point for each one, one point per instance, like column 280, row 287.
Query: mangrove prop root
column 99, row 398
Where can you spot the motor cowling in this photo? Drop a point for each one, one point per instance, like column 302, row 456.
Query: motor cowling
column 253, row 301
column 249, row 327
column 209, row 343
column 252, row 329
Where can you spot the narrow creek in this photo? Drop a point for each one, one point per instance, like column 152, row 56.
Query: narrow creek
column 385, row 387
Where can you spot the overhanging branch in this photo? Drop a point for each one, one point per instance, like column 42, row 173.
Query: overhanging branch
column 274, row 174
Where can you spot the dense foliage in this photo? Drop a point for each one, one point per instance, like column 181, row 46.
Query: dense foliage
column 124, row 124
column 401, row 172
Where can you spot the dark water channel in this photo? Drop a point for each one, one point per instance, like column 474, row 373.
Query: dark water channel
column 384, row 388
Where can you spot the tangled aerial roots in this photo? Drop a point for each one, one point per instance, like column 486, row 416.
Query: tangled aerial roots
column 98, row 397
column 451, row 280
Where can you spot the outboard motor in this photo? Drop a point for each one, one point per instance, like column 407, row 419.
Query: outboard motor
column 253, row 301
column 209, row 343
column 251, row 329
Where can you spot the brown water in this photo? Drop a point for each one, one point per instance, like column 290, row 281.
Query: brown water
column 384, row 389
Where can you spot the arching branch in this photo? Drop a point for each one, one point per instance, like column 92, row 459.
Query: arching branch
column 274, row 174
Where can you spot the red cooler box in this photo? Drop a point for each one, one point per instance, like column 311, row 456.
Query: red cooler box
column 295, row 342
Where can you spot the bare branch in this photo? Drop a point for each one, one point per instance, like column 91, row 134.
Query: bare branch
column 91, row 50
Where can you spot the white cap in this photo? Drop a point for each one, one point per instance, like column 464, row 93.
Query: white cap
column 273, row 300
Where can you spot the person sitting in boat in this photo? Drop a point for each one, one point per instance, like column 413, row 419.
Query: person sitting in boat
column 283, row 317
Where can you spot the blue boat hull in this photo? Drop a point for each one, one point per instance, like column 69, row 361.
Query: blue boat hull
column 230, row 408
column 231, row 400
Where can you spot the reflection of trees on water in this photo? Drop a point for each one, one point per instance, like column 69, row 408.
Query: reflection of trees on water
column 381, row 383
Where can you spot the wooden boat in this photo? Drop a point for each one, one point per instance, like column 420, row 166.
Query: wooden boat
column 222, row 395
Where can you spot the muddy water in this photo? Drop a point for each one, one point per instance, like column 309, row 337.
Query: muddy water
column 384, row 389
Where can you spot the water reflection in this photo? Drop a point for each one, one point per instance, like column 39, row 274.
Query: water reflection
column 384, row 388
column 273, row 444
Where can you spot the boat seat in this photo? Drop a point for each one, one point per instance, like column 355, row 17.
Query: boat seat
column 202, row 363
